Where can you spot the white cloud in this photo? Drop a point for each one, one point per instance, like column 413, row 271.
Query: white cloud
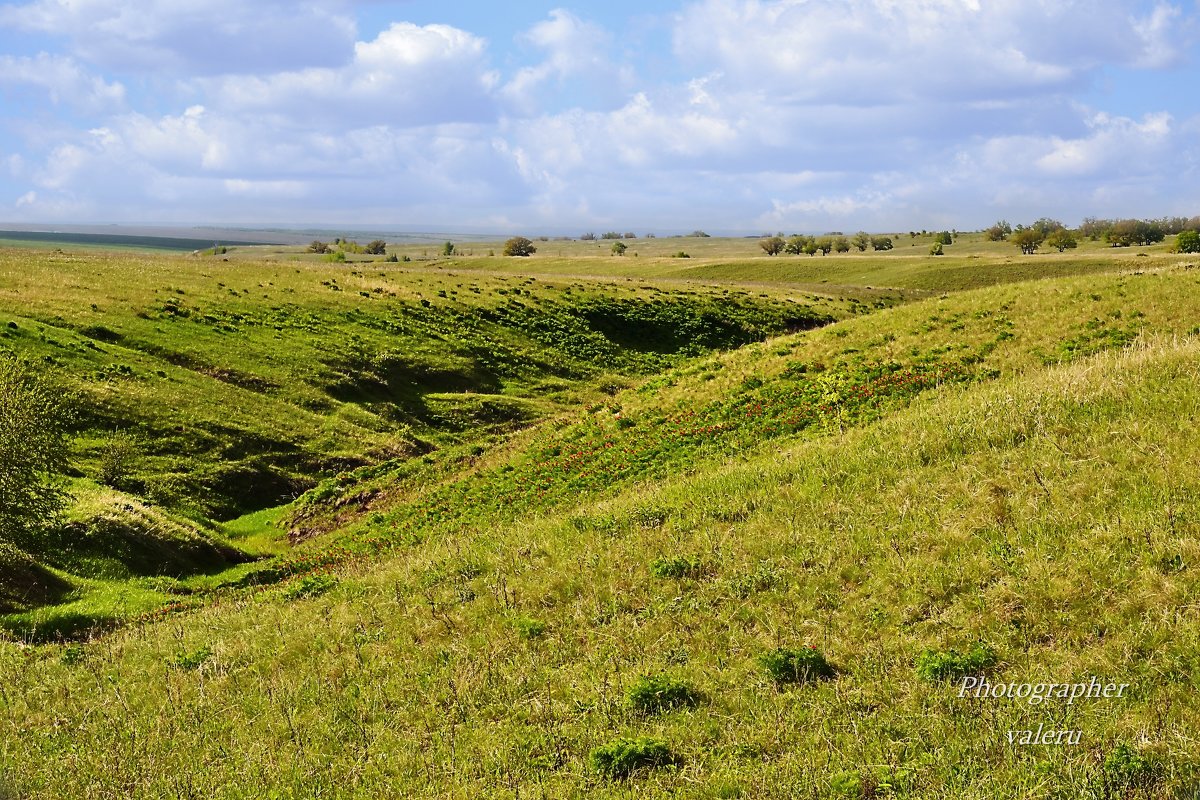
column 408, row 76
column 576, row 65
column 64, row 81
column 882, row 51
column 193, row 36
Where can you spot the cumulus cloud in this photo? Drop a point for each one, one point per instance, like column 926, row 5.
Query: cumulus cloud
column 880, row 51
column 408, row 76
column 576, row 65
column 193, row 37
column 64, row 81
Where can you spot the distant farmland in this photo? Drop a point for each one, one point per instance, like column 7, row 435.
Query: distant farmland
column 119, row 240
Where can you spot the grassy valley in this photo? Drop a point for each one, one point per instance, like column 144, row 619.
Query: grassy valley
column 582, row 525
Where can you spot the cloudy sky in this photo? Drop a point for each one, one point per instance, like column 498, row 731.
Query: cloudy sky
column 526, row 116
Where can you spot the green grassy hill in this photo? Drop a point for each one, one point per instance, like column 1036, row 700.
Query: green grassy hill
column 755, row 573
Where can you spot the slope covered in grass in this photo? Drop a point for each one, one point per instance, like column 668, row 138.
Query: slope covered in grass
column 1048, row 514
column 207, row 390
column 757, row 575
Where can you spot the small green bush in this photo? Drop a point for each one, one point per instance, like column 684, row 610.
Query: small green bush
column 785, row 665
column 622, row 757
column 677, row 567
column 193, row 660
column 935, row 665
column 529, row 628
column 1188, row 242
column 658, row 693
column 310, row 586
column 1128, row 773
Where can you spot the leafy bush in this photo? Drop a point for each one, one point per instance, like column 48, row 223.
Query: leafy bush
column 622, row 757
column 936, row 249
column 33, row 448
column 652, row 695
column 529, row 628
column 193, row 660
column 676, row 567
column 1188, row 242
column 934, row 665
column 1128, row 773
column 785, row 665
column 310, row 586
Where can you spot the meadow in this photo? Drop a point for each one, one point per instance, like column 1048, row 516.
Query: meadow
column 582, row 525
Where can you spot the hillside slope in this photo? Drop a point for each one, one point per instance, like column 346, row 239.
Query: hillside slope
column 1035, row 522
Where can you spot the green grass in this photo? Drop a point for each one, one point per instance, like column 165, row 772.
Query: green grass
column 615, row 598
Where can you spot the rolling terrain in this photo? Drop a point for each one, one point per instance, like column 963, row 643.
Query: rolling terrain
column 475, row 526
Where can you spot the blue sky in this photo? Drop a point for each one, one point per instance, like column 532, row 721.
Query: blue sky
column 529, row 117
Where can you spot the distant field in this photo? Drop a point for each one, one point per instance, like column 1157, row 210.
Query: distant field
column 112, row 241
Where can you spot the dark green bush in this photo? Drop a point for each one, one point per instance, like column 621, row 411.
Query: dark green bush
column 785, row 665
column 935, row 665
column 622, row 757
column 658, row 693
column 677, row 567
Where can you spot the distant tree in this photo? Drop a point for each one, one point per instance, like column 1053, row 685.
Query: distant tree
column 651, row 236
column 588, row 237
column 630, row 235
column 810, row 246
column 825, row 245
column 618, row 248
column 795, row 244
column 448, row 249
column 1028, row 239
column 861, row 240
column 1187, row 241
column 773, row 245
column 378, row 247
column 1062, row 239
column 1126, row 232
column 1047, row 226
column 318, row 247
column 841, row 244
column 610, row 235
column 699, row 234
column 944, row 238
column 519, row 246
column 1094, row 228
column 936, row 249
column 33, row 448
column 881, row 243
column 998, row 232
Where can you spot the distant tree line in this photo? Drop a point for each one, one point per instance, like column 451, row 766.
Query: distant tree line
column 378, row 247
column 800, row 243
column 1114, row 232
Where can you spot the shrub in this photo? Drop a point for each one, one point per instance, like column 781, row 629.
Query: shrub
column 652, row 695
column 33, row 448
column 1126, row 772
column 310, row 586
column 681, row 254
column 785, row 665
column 622, row 757
column 676, row 567
column 193, row 660
column 934, row 665
column 1188, row 242
column 529, row 628
column 117, row 459
column 618, row 248
column 936, row 249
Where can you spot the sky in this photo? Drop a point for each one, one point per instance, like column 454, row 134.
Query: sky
column 735, row 116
